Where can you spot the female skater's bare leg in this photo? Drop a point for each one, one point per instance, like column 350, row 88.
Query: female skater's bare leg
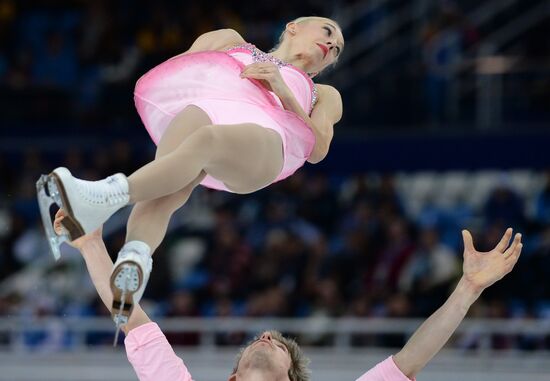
column 149, row 219
column 148, row 222
column 246, row 157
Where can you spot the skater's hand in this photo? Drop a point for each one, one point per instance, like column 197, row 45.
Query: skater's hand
column 483, row 269
column 77, row 243
column 267, row 74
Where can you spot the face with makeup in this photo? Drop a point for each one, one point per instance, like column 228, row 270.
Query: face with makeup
column 312, row 43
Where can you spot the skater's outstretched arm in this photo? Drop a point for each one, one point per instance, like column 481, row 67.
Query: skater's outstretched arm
column 481, row 270
column 99, row 266
column 150, row 354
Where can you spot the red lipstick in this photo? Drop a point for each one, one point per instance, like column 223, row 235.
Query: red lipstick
column 324, row 49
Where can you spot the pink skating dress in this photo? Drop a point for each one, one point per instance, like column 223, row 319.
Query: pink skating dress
column 211, row 80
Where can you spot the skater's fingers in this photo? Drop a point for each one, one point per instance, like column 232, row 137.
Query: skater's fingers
column 57, row 226
column 468, row 241
column 60, row 213
column 58, row 219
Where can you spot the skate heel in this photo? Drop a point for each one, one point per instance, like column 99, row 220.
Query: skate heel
column 48, row 194
column 128, row 280
column 59, row 195
column 125, row 281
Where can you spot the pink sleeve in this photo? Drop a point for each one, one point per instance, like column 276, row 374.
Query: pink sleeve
column 152, row 357
column 385, row 371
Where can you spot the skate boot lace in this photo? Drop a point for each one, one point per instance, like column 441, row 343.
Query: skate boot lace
column 109, row 191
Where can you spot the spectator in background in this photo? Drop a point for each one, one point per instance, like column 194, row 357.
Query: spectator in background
column 318, row 204
column 183, row 304
column 504, row 206
column 55, row 66
column 442, row 54
column 7, row 17
column 429, row 272
column 542, row 203
column 228, row 261
column 3, row 62
column 385, row 274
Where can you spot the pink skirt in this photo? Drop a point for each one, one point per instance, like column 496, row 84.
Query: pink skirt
column 211, row 81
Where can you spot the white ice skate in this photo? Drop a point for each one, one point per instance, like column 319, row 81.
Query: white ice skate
column 128, row 280
column 88, row 204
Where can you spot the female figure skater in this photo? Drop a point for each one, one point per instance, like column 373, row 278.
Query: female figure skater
column 224, row 115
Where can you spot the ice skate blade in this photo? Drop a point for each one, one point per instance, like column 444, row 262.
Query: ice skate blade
column 47, row 196
column 125, row 281
column 122, row 280
column 120, row 320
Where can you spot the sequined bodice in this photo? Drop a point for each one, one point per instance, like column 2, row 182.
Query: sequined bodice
column 260, row 56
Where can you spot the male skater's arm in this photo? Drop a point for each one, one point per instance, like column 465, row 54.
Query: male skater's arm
column 100, row 266
column 481, row 270
column 150, row 354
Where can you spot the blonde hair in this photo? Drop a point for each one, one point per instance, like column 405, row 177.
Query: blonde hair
column 298, row 370
column 301, row 20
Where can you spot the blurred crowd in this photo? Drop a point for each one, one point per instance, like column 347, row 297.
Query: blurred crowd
column 310, row 246
column 76, row 61
column 80, row 59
